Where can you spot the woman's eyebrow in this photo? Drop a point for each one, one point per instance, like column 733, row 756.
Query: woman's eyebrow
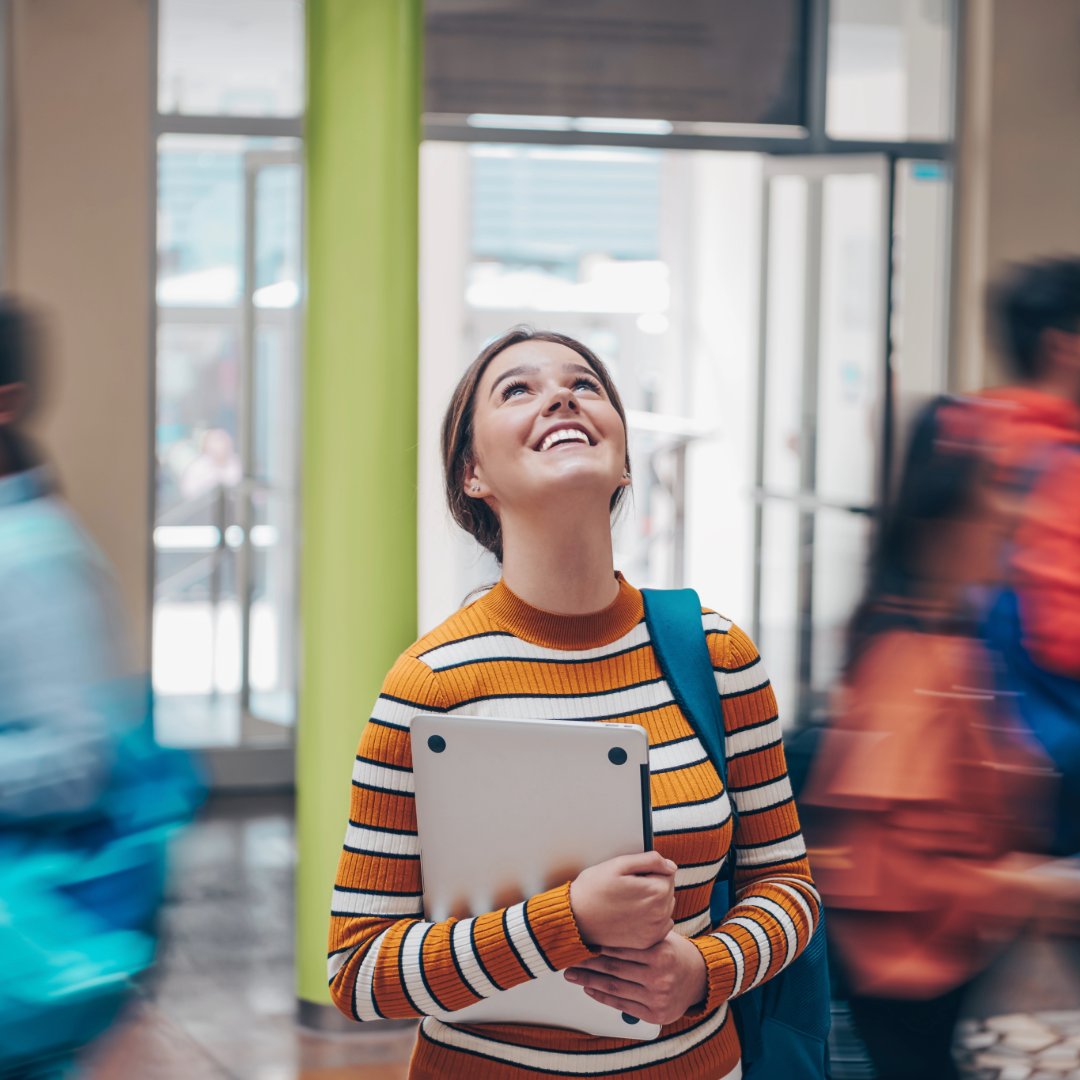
column 521, row 369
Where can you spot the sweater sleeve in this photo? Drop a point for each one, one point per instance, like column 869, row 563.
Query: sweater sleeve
column 776, row 906
column 385, row 960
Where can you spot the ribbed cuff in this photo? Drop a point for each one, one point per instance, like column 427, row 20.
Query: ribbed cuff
column 552, row 921
column 721, row 971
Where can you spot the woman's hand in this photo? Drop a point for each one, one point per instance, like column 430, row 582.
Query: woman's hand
column 657, row 985
column 626, row 902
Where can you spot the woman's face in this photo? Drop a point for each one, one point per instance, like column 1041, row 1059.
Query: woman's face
column 543, row 426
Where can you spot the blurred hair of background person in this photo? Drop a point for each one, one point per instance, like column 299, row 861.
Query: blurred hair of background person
column 85, row 796
column 926, row 792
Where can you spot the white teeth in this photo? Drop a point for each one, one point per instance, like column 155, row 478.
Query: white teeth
column 564, row 435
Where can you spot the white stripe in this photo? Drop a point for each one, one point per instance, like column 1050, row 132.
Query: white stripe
column 782, row 851
column 572, row 706
column 411, row 945
column 394, row 713
column 782, row 917
column 801, row 901
column 802, row 885
column 381, row 777
column 743, row 741
column 760, row 798
column 461, row 943
column 677, row 755
column 764, row 948
column 523, row 942
column 737, row 956
column 475, row 650
column 697, row 875
column 359, row 836
column 696, row 924
column 711, row 621
column 363, row 994
column 336, row 962
column 735, row 682
column 373, row 904
column 675, row 818
column 582, row 1064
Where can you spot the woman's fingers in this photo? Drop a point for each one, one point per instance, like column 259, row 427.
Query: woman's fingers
column 608, row 984
column 634, row 1008
column 610, row 965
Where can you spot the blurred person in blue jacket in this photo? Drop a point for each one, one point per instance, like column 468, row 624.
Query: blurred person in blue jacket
column 81, row 842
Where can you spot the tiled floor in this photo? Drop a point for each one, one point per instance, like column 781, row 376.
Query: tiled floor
column 222, row 1005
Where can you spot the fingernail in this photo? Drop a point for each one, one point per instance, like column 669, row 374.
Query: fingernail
column 569, row 976
column 672, row 866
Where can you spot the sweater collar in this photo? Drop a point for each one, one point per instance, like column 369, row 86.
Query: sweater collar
column 554, row 631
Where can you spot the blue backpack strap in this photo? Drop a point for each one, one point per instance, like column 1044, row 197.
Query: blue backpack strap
column 673, row 617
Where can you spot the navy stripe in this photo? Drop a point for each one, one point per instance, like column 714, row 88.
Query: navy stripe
column 692, row 802
column 418, row 914
column 378, row 854
column 419, row 705
column 685, row 765
column 740, row 667
column 401, row 973
column 769, row 843
column 694, row 829
column 382, row 828
column 744, row 693
column 752, row 727
column 673, row 742
column 535, row 939
column 513, row 948
column 545, row 659
column 374, row 892
column 383, row 764
column 423, row 973
column 457, row 967
column 480, row 959
column 771, row 806
column 383, row 790
column 757, row 750
column 558, row 697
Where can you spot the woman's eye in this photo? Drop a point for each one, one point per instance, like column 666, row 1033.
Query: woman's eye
column 588, row 384
column 513, row 390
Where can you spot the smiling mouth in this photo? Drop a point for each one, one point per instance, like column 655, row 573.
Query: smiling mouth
column 562, row 437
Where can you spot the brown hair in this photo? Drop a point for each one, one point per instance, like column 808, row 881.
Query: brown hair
column 474, row 515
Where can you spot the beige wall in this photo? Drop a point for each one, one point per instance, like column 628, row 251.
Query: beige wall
column 79, row 189
column 1018, row 172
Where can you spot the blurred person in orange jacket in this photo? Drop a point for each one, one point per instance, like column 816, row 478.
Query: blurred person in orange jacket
column 925, row 792
column 1032, row 431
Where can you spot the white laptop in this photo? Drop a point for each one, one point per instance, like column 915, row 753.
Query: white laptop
column 507, row 809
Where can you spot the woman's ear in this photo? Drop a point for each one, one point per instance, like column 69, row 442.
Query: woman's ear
column 475, row 487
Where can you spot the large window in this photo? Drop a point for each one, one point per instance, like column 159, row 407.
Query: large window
column 228, row 348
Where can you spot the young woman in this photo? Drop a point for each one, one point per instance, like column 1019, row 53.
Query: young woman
column 535, row 456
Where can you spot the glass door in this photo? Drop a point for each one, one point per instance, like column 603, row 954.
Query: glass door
column 823, row 403
column 228, row 429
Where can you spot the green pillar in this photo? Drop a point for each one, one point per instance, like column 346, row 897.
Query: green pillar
column 358, row 561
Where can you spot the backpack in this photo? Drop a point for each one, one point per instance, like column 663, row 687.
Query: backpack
column 1049, row 706
column 784, row 1023
column 79, row 898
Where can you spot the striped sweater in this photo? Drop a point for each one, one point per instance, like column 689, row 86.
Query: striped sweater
column 501, row 657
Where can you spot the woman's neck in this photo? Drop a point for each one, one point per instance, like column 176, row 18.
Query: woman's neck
column 562, row 565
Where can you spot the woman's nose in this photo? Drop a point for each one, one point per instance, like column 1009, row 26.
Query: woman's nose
column 563, row 397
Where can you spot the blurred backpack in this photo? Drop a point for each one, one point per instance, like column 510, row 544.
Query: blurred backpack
column 783, row 1024
column 79, row 900
column 1049, row 706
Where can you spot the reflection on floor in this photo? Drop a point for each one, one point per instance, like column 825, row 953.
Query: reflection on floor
column 222, row 1004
